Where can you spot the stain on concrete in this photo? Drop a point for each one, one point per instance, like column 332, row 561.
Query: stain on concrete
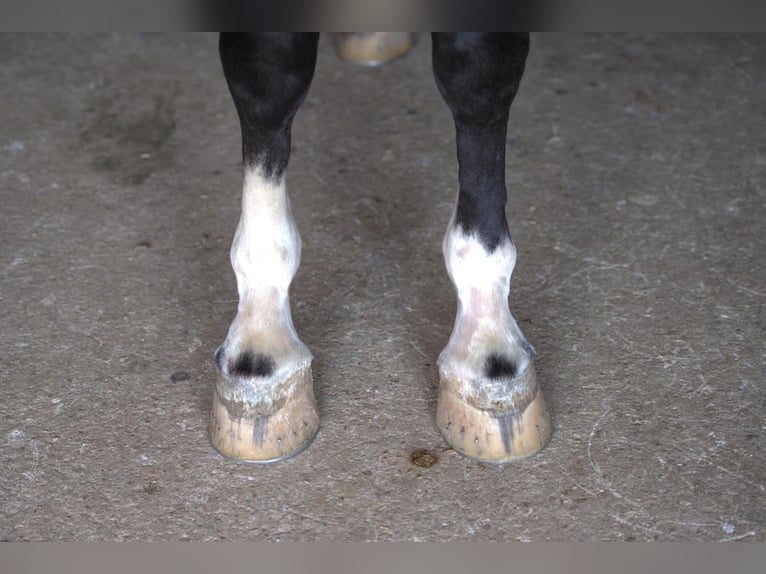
column 151, row 487
column 179, row 376
column 423, row 458
column 126, row 136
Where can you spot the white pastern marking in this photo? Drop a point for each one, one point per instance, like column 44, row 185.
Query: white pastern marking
column 474, row 272
column 266, row 250
column 265, row 256
column 484, row 325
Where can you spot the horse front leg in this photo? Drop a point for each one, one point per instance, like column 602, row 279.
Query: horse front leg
column 264, row 407
column 489, row 406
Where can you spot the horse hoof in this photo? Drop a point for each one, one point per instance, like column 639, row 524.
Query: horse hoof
column 372, row 48
column 252, row 425
column 501, row 432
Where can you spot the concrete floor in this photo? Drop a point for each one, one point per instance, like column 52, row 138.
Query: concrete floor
column 636, row 172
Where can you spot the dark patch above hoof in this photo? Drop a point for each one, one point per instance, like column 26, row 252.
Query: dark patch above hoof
column 250, row 365
column 498, row 367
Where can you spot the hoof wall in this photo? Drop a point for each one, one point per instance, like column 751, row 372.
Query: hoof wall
column 372, row 48
column 495, row 435
column 252, row 431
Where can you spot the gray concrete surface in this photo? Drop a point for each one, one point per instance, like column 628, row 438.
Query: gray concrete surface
column 636, row 171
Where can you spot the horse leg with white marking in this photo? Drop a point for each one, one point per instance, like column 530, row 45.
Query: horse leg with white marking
column 264, row 407
column 489, row 406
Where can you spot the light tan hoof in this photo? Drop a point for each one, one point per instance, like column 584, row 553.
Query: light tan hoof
column 372, row 48
column 498, row 432
column 250, row 426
